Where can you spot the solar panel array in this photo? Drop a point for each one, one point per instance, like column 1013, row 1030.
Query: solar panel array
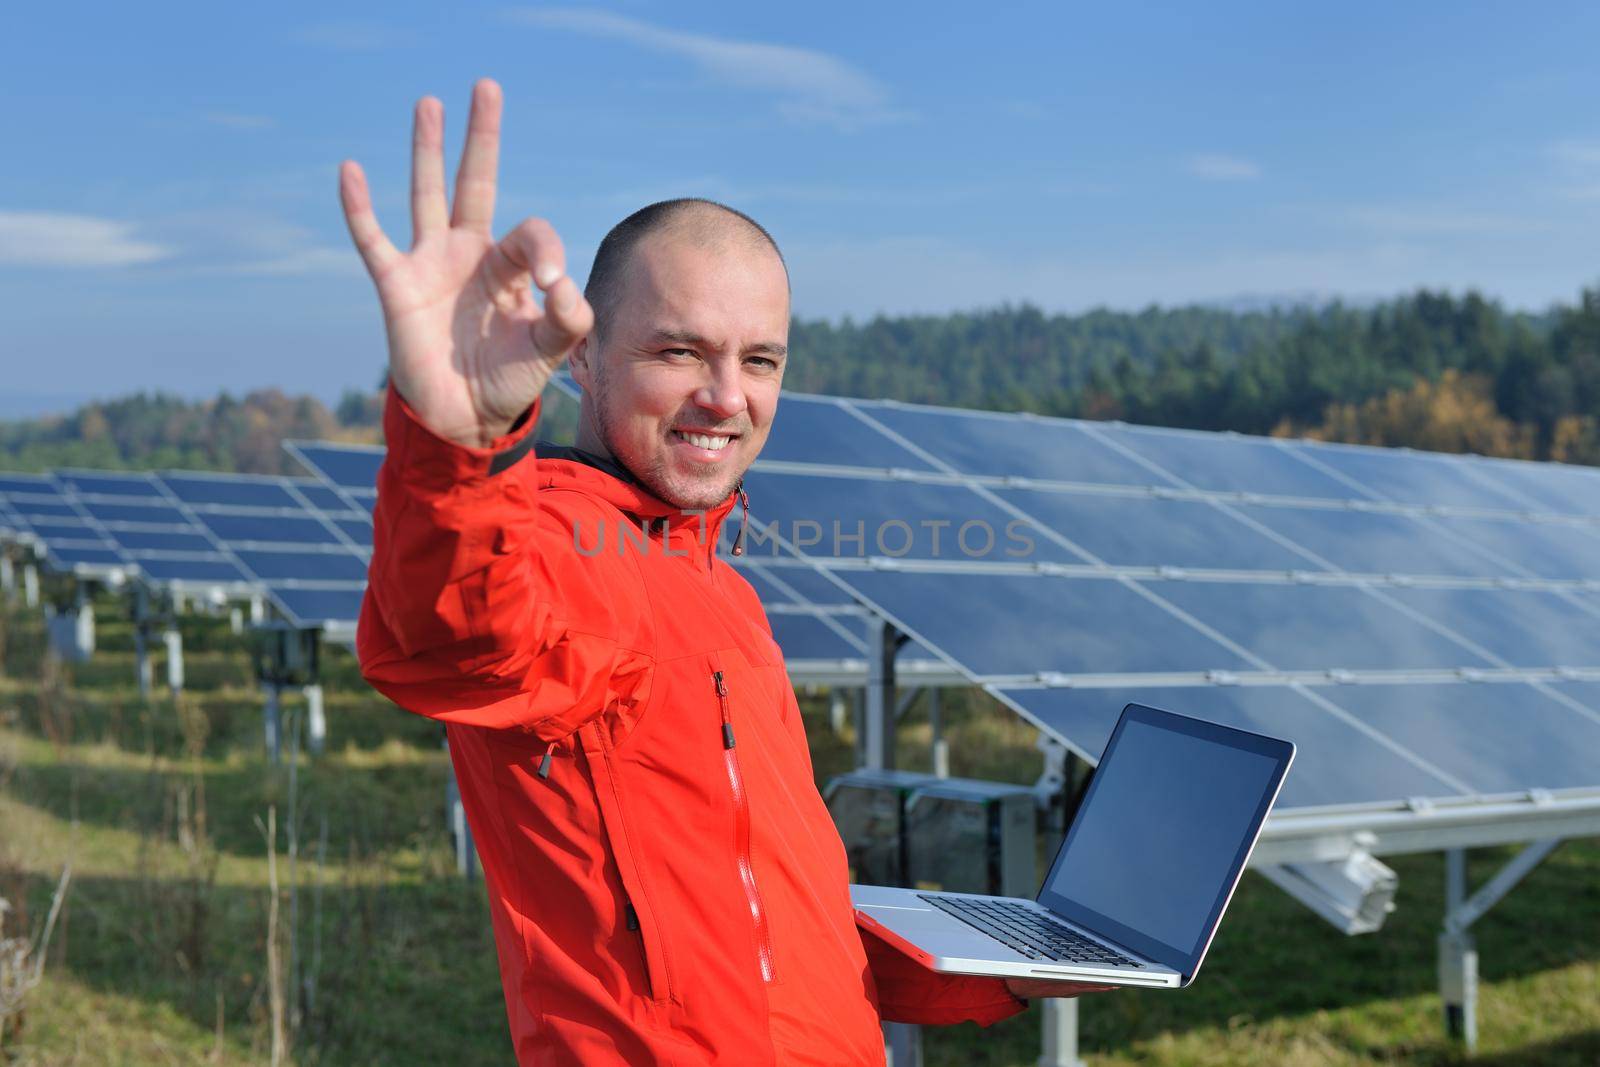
column 294, row 540
column 1424, row 625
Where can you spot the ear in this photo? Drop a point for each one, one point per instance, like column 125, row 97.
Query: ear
column 579, row 362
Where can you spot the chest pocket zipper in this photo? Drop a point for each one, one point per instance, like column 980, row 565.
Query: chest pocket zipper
column 741, row 810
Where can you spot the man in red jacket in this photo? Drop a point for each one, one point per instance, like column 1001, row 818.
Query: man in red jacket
column 665, row 883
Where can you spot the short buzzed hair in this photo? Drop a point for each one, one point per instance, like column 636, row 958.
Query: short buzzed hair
column 697, row 214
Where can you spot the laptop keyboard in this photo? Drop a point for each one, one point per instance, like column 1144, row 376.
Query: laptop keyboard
column 1028, row 931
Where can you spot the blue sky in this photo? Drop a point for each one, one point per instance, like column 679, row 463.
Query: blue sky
column 168, row 216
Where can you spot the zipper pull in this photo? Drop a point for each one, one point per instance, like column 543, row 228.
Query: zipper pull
column 744, row 519
column 544, row 764
column 722, row 698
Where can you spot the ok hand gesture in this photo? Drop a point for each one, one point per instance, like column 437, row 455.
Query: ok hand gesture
column 469, row 347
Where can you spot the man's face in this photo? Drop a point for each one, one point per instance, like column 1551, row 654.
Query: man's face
column 682, row 386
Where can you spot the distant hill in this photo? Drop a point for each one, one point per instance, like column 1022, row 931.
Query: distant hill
column 1431, row 370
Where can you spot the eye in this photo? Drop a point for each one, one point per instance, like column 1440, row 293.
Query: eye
column 763, row 362
column 678, row 353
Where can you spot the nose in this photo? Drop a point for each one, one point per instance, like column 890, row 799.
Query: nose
column 722, row 392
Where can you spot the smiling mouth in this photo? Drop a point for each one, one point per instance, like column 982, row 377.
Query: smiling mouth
column 710, row 442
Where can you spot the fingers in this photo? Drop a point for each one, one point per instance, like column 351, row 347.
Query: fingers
column 430, row 212
column 480, row 160
column 375, row 249
column 567, row 319
column 534, row 249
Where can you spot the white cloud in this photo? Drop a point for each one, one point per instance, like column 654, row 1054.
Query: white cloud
column 304, row 261
column 809, row 85
column 1216, row 167
column 51, row 239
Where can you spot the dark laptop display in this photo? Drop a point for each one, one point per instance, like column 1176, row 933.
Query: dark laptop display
column 1163, row 831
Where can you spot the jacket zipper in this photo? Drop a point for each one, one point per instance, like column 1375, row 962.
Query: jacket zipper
column 741, row 809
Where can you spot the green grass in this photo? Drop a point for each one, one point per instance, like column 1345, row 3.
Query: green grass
column 161, row 953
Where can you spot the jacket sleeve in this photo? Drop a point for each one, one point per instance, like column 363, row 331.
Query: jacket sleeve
column 908, row 992
column 479, row 608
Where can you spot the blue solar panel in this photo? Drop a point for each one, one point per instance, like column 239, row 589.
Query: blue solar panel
column 1557, row 488
column 88, row 483
column 267, row 528
column 306, row 566
column 47, row 510
column 1146, row 531
column 806, row 582
column 347, row 466
column 1419, row 478
column 862, row 517
column 1336, row 764
column 808, row 637
column 149, row 514
column 1370, row 542
column 62, row 530
column 1009, row 446
column 1229, row 463
column 159, row 569
column 1543, row 549
column 321, row 497
column 1310, row 627
column 236, row 491
column 161, row 541
column 358, row 531
column 1015, row 624
column 317, row 607
column 1499, row 738
column 1526, row 628
column 27, row 483
column 83, row 555
column 816, row 430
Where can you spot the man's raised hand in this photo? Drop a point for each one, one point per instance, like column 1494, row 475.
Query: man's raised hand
column 469, row 347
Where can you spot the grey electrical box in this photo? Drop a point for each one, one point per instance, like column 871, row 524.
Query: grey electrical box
column 284, row 655
column 968, row 836
column 917, row 830
column 869, row 808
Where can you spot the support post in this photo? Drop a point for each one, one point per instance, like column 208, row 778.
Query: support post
column 30, row 585
column 941, row 747
column 141, row 641
column 883, row 645
column 1458, row 958
column 83, row 624
column 272, row 721
column 258, row 610
column 902, row 1043
column 8, row 575
column 460, row 832
column 1059, row 1044
column 316, row 724
column 235, row 619
column 173, row 640
column 838, row 710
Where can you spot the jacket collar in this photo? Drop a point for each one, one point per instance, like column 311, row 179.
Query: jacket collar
column 563, row 466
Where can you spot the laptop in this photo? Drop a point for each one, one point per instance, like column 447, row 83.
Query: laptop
column 1141, row 879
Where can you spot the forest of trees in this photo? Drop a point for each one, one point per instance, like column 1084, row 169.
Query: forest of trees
column 1430, row 370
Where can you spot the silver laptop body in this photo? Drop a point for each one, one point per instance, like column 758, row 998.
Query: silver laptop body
column 1142, row 877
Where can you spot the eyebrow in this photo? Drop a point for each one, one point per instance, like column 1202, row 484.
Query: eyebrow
column 689, row 338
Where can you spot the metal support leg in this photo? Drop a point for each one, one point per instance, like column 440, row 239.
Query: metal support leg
column 141, row 641
column 8, row 576
column 903, row 1044
column 174, row 642
column 1059, row 1047
column 941, row 747
column 883, row 645
column 272, row 722
column 460, row 831
column 1458, row 958
column 316, row 724
column 258, row 610
column 30, row 585
column 83, row 625
column 838, row 710
column 235, row 619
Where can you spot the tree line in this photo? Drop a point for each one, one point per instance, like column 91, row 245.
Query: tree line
column 1430, row 370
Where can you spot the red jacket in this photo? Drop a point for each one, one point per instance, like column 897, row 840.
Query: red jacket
column 665, row 882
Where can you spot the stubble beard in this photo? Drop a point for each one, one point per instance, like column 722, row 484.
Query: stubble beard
column 697, row 495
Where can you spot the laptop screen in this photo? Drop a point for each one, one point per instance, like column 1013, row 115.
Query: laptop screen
column 1163, row 832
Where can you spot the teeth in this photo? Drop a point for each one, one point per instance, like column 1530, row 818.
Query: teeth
column 700, row 440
